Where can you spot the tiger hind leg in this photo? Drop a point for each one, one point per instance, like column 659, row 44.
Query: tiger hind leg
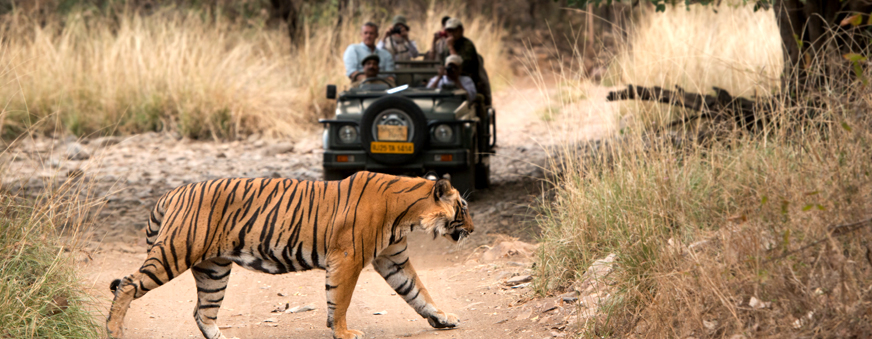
column 394, row 266
column 212, row 277
column 152, row 274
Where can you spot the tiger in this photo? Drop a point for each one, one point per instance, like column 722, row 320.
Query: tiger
column 286, row 225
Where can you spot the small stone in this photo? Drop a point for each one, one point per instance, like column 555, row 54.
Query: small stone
column 75, row 173
column 279, row 148
column 106, row 141
column 301, row 309
column 756, row 303
column 281, row 308
column 282, row 294
column 519, row 280
column 380, row 313
column 710, row 324
column 75, row 151
column 271, row 320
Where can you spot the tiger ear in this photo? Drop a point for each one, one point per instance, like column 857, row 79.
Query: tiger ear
column 441, row 189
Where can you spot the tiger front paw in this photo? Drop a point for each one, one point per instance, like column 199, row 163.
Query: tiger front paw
column 443, row 320
column 348, row 334
column 114, row 332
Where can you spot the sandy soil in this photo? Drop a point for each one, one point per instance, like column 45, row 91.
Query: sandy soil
column 131, row 173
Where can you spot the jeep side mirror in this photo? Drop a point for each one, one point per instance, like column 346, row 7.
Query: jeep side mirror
column 331, row 92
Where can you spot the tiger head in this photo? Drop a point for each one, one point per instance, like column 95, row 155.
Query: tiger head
column 449, row 216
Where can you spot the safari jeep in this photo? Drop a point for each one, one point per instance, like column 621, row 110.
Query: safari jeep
column 410, row 130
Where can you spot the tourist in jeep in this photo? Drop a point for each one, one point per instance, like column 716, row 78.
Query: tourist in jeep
column 355, row 54
column 396, row 41
column 450, row 76
column 438, row 44
column 370, row 72
column 461, row 46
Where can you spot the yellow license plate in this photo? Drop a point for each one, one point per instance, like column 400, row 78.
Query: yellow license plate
column 392, row 147
column 393, row 133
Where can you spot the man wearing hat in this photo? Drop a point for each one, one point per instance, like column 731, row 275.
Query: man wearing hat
column 370, row 71
column 450, row 76
column 355, row 54
column 396, row 41
column 461, row 46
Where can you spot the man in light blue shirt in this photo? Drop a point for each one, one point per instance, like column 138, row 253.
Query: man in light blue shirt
column 355, row 53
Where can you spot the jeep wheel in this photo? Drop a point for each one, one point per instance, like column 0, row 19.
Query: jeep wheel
column 482, row 176
column 464, row 180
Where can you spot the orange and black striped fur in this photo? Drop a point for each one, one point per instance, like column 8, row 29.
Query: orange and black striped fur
column 283, row 225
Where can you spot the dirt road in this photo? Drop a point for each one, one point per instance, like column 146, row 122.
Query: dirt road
column 133, row 172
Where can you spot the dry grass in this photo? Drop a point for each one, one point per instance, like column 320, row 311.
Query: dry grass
column 697, row 49
column 189, row 71
column 40, row 292
column 701, row 229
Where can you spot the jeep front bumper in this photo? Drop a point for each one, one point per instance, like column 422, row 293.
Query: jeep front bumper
column 357, row 160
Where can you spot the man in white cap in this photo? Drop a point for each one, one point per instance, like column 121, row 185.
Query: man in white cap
column 450, row 76
column 355, row 54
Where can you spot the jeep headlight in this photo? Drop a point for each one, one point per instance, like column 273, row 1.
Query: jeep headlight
column 347, row 134
column 443, row 133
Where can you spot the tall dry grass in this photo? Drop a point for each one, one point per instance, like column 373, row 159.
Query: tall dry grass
column 190, row 70
column 697, row 48
column 701, row 230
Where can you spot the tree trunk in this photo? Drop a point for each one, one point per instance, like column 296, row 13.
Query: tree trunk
column 287, row 11
column 807, row 31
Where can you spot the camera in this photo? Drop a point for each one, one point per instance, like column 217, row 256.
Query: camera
column 395, row 30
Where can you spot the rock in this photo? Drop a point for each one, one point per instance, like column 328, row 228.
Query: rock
column 254, row 137
column 301, row 309
column 59, row 304
column 516, row 250
column 757, row 303
column 380, row 313
column 279, row 148
column 75, row 173
column 519, row 280
column 281, row 308
column 106, row 141
column 271, row 320
column 710, row 325
column 597, row 271
column 75, row 151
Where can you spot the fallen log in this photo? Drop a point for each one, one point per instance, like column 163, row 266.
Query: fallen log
column 748, row 114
